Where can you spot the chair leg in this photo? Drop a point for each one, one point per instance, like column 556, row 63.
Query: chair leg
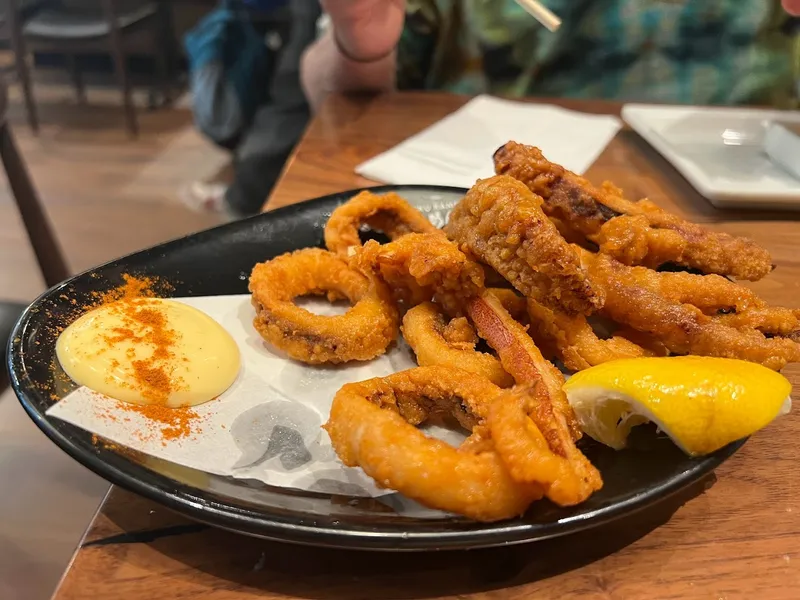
column 48, row 254
column 77, row 78
column 162, row 73
column 166, row 60
column 21, row 64
column 120, row 66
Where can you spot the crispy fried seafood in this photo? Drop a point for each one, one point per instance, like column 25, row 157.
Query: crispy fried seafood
column 438, row 268
column 388, row 213
column 501, row 223
column 705, row 315
column 533, row 442
column 571, row 339
column 442, row 271
column 424, row 265
column 584, row 261
column 515, row 304
column 371, row 425
column 519, row 355
column 362, row 333
column 655, row 313
column 635, row 233
column 438, row 342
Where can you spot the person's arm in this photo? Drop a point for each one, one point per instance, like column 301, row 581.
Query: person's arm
column 357, row 52
column 325, row 69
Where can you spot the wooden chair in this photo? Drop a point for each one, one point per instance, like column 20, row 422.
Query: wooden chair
column 26, row 9
column 15, row 12
column 40, row 232
column 122, row 31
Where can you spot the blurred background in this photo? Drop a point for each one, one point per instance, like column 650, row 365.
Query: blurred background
column 122, row 123
column 99, row 139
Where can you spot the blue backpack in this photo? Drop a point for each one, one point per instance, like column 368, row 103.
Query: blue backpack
column 229, row 68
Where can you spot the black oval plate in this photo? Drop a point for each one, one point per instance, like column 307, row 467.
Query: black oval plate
column 218, row 262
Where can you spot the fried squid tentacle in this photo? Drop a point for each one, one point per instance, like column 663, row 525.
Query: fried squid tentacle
column 501, row 223
column 710, row 293
column 733, row 304
column 653, row 313
column 388, row 213
column 769, row 320
column 635, row 233
column 572, row 339
column 634, row 299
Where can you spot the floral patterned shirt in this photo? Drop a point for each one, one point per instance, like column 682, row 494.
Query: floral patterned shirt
column 673, row 51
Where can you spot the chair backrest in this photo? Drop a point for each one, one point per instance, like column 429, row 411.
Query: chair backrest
column 97, row 5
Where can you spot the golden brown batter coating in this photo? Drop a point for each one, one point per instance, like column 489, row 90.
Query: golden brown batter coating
column 362, row 333
column 501, row 223
column 388, row 213
column 635, row 233
column 571, row 339
column 435, row 341
column 674, row 313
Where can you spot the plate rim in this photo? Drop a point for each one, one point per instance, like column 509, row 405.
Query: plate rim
column 637, row 116
column 181, row 498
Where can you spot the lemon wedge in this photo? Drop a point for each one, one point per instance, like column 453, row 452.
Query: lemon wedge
column 702, row 403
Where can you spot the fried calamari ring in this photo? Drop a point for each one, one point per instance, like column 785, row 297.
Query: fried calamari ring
column 436, row 342
column 362, row 333
column 388, row 213
column 370, row 426
column 435, row 264
column 533, row 443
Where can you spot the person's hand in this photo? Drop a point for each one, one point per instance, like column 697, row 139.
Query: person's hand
column 366, row 30
column 792, row 7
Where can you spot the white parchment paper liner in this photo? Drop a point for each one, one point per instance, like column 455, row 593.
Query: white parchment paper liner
column 266, row 426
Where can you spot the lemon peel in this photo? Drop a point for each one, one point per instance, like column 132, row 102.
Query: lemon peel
column 702, row 403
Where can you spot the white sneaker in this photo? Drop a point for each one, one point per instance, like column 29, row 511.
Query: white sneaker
column 201, row 196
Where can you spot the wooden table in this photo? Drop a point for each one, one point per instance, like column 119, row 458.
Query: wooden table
column 736, row 535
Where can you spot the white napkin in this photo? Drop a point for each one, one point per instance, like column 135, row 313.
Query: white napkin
column 458, row 149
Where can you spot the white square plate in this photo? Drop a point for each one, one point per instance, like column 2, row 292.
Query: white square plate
column 720, row 151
